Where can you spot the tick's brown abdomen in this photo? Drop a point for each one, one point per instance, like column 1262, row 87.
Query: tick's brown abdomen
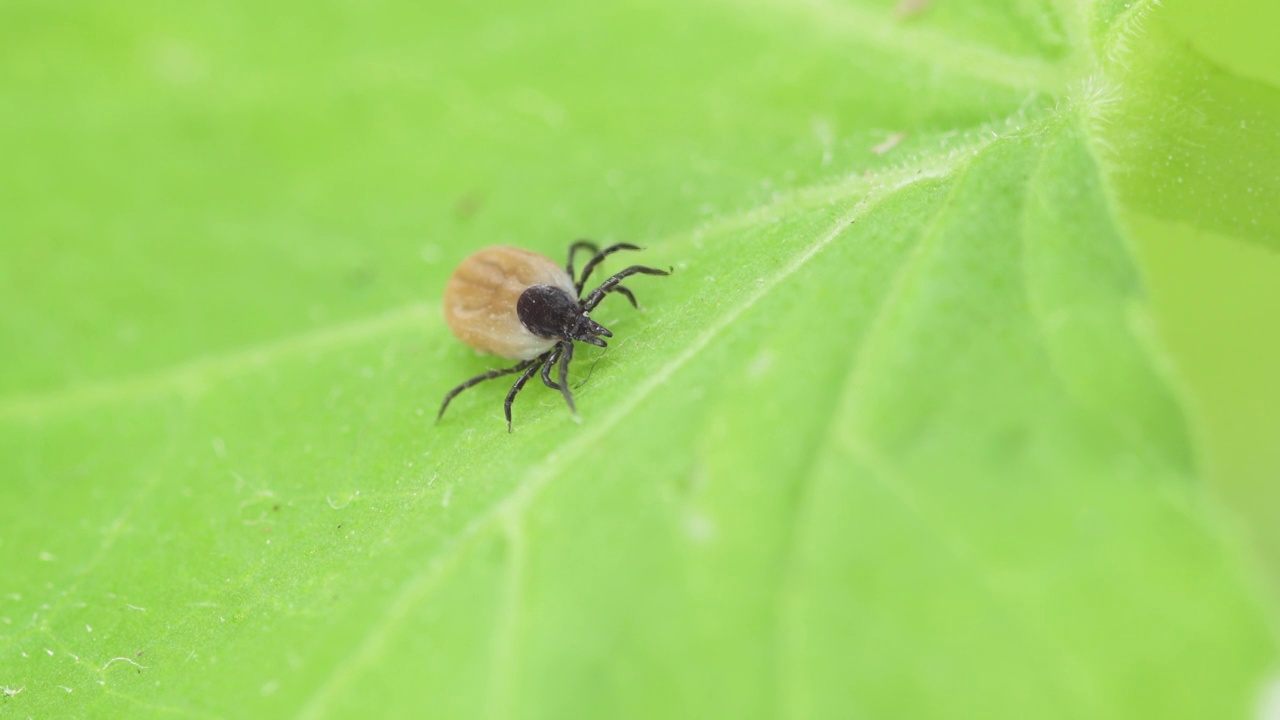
column 481, row 296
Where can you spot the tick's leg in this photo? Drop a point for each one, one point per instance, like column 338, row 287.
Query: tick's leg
column 566, row 355
column 624, row 292
column 515, row 389
column 573, row 250
column 611, row 285
column 599, row 257
column 479, row 379
column 546, row 369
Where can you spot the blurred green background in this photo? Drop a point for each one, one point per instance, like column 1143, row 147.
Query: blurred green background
column 1215, row 300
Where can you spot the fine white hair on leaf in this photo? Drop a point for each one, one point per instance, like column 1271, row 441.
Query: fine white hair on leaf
column 343, row 505
column 1095, row 96
column 112, row 661
column 1127, row 29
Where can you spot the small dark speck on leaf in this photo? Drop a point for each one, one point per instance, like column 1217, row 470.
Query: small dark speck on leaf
column 361, row 277
column 466, row 206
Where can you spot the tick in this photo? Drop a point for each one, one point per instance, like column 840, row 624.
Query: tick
column 521, row 305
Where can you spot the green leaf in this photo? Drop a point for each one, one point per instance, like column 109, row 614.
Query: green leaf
column 1197, row 144
column 893, row 439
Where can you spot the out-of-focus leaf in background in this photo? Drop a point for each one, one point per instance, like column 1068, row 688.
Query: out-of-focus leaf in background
column 1213, row 289
column 897, row 438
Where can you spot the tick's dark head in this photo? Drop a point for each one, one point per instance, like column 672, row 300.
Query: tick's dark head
column 550, row 312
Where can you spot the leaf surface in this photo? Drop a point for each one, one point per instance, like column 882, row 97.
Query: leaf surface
column 893, row 439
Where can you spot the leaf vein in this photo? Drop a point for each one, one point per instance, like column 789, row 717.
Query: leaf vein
column 193, row 375
column 787, row 632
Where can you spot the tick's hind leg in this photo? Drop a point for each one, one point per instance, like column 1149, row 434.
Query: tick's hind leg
column 626, row 293
column 599, row 258
column 590, row 302
column 515, row 389
column 479, row 379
